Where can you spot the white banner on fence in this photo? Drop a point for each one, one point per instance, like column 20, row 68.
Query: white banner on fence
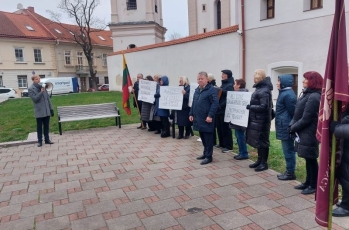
column 171, row 97
column 193, row 86
column 146, row 92
column 236, row 111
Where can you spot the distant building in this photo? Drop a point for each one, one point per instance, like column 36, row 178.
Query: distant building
column 136, row 23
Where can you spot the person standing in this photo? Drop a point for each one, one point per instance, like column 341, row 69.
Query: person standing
column 304, row 125
column 146, row 113
column 136, row 102
column 183, row 115
column 42, row 109
column 259, row 121
column 285, row 106
column 225, row 137
column 202, row 114
column 162, row 113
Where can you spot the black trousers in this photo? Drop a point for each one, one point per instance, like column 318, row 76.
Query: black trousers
column 344, row 181
column 181, row 131
column 43, row 121
column 224, row 132
column 207, row 142
column 312, row 168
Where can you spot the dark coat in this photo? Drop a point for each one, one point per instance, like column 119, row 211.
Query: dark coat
column 183, row 115
column 305, row 121
column 227, row 85
column 136, row 90
column 285, row 106
column 259, row 120
column 161, row 112
column 205, row 104
column 41, row 101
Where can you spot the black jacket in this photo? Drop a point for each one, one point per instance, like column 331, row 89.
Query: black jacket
column 305, row 121
column 259, row 120
column 136, row 89
column 227, row 85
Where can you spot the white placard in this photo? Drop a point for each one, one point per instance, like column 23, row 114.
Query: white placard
column 193, row 86
column 235, row 111
column 146, row 92
column 171, row 97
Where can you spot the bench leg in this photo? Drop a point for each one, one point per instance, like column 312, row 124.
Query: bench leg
column 119, row 122
column 116, row 121
column 60, row 128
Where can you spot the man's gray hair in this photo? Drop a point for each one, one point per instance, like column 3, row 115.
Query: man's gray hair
column 140, row 74
column 203, row 73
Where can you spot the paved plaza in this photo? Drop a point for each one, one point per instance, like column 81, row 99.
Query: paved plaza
column 111, row 178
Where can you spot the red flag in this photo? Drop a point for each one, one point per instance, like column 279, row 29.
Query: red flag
column 335, row 87
column 126, row 84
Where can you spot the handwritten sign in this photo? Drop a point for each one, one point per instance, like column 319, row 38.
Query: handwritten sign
column 235, row 111
column 193, row 86
column 146, row 92
column 171, row 97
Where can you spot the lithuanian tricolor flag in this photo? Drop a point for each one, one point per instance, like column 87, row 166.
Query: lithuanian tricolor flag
column 126, row 83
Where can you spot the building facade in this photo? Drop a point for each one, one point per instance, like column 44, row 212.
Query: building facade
column 136, row 23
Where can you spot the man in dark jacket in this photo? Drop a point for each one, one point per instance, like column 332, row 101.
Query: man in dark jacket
column 285, row 106
column 202, row 114
column 135, row 98
column 225, row 137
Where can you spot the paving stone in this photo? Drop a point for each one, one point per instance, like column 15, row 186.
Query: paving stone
column 5, row 196
column 195, row 221
column 231, row 220
column 160, row 221
column 23, row 223
column 66, row 209
column 31, row 178
column 176, row 173
column 120, row 184
column 304, row 219
column 83, row 195
column 89, row 223
column 41, row 186
column 227, row 191
column 199, row 181
column 15, row 187
column 112, row 167
column 200, row 172
column 111, row 195
column 262, row 203
column 168, row 193
column 257, row 190
column 197, row 203
column 9, row 178
column 197, row 192
column 9, row 210
column 225, row 180
column 78, row 176
column 140, row 194
column 227, row 204
column 268, row 219
column 286, row 190
column 94, row 184
column 164, row 206
column 132, row 207
column 53, row 196
column 67, row 185
column 124, row 222
column 295, row 203
column 36, row 210
column 89, row 168
column 252, row 180
column 19, row 199
column 100, row 176
column 172, row 182
column 156, row 166
column 54, row 224
column 55, row 177
column 45, row 170
column 146, row 183
column 99, row 208
column 67, row 169
column 127, row 175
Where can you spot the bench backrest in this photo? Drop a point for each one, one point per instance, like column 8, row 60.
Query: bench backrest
column 87, row 110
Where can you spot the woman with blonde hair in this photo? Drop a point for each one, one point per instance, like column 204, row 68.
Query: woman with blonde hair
column 258, row 129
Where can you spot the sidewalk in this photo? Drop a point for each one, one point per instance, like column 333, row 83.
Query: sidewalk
column 113, row 178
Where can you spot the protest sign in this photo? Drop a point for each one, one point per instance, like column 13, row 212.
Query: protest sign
column 146, row 92
column 193, row 86
column 171, row 97
column 235, row 111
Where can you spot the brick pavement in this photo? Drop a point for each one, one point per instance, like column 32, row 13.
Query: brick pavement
column 126, row 178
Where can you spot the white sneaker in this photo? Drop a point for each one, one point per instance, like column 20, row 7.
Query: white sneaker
column 199, row 139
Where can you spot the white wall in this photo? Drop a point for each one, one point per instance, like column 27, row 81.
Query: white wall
column 205, row 19
column 211, row 54
column 125, row 15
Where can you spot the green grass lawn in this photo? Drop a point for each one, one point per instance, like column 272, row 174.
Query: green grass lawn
column 17, row 120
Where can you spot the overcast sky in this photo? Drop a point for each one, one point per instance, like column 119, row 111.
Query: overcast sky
column 175, row 12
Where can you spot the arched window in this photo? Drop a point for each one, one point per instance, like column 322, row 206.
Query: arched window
column 219, row 15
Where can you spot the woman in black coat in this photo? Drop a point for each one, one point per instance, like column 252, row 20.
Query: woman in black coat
column 303, row 127
column 259, row 121
column 146, row 113
column 182, row 116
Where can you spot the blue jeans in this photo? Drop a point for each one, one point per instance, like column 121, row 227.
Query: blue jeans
column 290, row 154
column 240, row 137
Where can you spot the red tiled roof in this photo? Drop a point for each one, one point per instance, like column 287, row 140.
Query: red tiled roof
column 227, row 30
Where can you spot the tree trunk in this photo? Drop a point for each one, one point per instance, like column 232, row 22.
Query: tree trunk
column 93, row 75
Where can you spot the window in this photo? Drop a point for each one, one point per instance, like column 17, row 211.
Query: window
column 19, row 55
column 80, row 61
column 203, row 7
column 58, row 31
column 156, row 6
column 67, row 57
column 270, row 8
column 1, row 82
column 30, row 28
column 315, row 4
column 106, row 80
column 37, row 55
column 102, row 38
column 219, row 19
column 97, row 80
column 204, row 30
column 22, row 81
column 42, row 76
column 131, row 4
column 104, row 56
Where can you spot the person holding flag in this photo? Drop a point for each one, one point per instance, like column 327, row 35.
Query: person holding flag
column 126, row 86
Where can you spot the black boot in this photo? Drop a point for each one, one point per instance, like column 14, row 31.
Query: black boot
column 258, row 162
column 264, row 164
column 165, row 127
column 39, row 143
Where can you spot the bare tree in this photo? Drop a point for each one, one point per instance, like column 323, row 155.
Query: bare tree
column 82, row 12
column 174, row 36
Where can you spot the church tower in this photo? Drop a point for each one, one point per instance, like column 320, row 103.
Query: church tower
column 136, row 23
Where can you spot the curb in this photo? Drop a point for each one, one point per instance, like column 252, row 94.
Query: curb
column 31, row 139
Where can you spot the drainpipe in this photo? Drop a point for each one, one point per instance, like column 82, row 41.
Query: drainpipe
column 243, row 39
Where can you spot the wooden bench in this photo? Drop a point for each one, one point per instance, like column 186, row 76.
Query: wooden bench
column 87, row 112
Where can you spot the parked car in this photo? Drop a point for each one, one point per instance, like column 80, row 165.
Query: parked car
column 6, row 93
column 104, row 87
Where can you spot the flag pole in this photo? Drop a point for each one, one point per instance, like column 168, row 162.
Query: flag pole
column 332, row 170
column 139, row 112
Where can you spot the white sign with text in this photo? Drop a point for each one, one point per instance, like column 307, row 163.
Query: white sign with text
column 235, row 111
column 146, row 92
column 171, row 97
column 193, row 87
